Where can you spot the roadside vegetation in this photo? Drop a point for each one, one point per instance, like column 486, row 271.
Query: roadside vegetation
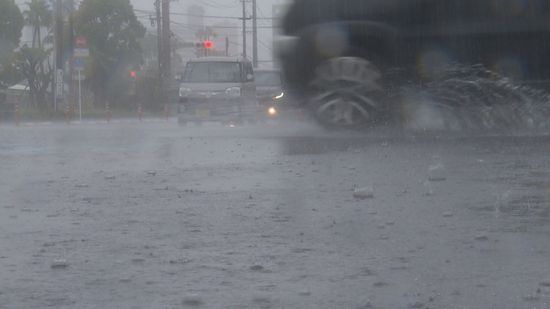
column 114, row 37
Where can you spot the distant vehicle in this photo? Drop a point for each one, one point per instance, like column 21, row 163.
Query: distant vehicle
column 218, row 89
column 270, row 92
column 346, row 57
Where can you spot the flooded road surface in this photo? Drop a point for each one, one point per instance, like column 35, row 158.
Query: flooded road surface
column 157, row 216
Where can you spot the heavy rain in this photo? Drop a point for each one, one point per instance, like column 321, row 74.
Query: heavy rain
column 362, row 154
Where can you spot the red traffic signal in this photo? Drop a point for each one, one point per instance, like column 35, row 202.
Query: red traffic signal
column 81, row 42
column 208, row 44
column 133, row 74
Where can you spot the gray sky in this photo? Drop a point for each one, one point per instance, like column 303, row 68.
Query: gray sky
column 232, row 8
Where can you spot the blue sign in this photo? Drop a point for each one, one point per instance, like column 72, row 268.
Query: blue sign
column 79, row 64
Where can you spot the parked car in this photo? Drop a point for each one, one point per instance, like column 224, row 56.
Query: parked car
column 219, row 89
column 346, row 57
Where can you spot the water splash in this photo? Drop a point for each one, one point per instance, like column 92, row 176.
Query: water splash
column 475, row 99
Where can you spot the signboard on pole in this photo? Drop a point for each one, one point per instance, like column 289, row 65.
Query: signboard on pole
column 59, row 84
column 81, row 52
column 79, row 64
column 81, row 42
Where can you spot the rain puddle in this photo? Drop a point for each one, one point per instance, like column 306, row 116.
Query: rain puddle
column 294, row 146
column 21, row 149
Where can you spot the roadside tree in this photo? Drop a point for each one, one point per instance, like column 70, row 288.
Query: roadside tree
column 113, row 34
column 11, row 25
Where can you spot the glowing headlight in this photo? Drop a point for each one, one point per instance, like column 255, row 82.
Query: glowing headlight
column 233, row 91
column 272, row 111
column 279, row 96
column 185, row 92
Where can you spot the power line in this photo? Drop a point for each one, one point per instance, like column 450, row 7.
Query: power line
column 265, row 45
column 218, row 27
column 214, row 4
column 205, row 16
column 190, row 26
column 194, row 26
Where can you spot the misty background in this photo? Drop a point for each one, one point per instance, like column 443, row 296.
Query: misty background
column 184, row 26
column 233, row 10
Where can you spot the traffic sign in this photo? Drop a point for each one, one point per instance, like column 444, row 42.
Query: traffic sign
column 81, row 42
column 59, row 84
column 81, row 52
column 79, row 64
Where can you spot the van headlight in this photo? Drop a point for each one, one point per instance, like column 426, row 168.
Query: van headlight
column 272, row 111
column 280, row 96
column 185, row 91
column 233, row 91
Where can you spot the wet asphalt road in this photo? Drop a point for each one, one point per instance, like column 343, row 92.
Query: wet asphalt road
column 151, row 215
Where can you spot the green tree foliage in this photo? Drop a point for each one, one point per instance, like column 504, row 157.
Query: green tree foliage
column 38, row 16
column 35, row 62
column 34, row 65
column 11, row 24
column 9, row 73
column 113, row 31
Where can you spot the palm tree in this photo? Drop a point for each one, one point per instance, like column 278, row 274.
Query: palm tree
column 38, row 16
column 35, row 59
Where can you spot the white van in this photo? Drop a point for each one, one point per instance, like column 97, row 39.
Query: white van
column 219, row 89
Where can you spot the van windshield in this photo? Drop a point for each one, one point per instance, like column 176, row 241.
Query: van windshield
column 268, row 79
column 212, row 72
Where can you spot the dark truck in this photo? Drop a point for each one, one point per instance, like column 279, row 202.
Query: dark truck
column 346, row 57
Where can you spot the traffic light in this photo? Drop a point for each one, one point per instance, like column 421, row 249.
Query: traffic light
column 132, row 89
column 208, row 44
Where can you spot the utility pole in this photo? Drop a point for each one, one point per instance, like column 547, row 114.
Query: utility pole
column 167, row 38
column 58, row 78
column 254, row 34
column 226, row 46
column 244, row 28
column 206, row 38
column 70, row 45
column 166, row 51
column 159, row 38
column 160, row 51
